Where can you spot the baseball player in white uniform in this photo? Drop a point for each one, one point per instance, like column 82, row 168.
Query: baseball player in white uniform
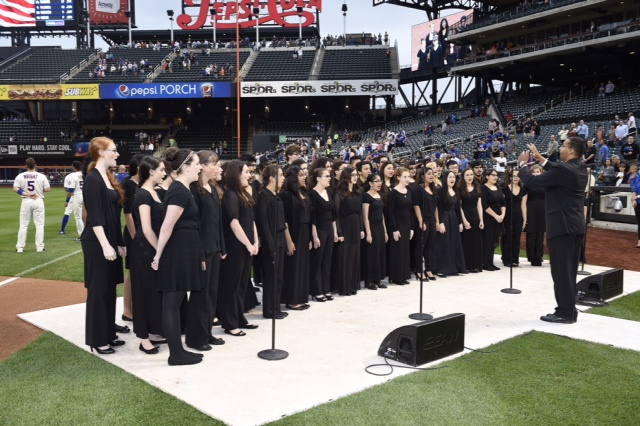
column 73, row 203
column 31, row 186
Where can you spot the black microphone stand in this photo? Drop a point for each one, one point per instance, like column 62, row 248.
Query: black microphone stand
column 420, row 316
column 274, row 354
column 511, row 290
column 586, row 228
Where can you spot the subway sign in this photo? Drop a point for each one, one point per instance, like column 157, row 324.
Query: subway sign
column 266, row 89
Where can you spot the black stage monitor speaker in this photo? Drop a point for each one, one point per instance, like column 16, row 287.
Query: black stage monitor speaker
column 426, row 341
column 603, row 286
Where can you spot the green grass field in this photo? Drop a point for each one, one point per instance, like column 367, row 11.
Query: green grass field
column 528, row 380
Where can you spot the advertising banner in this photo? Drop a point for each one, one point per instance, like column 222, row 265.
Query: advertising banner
column 190, row 90
column 284, row 13
column 273, row 89
column 49, row 92
column 40, row 150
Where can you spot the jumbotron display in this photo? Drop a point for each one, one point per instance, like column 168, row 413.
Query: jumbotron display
column 37, row 13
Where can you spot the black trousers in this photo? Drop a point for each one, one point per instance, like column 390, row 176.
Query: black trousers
column 321, row 263
column 490, row 236
column 271, row 267
column 564, row 253
column 511, row 242
column 535, row 246
column 424, row 246
column 233, row 286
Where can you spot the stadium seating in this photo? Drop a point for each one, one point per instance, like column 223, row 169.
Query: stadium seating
column 355, row 63
column 282, row 64
column 152, row 57
column 590, row 106
column 45, row 65
column 303, row 128
column 221, row 57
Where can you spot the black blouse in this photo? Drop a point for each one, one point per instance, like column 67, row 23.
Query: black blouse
column 143, row 197
column 179, row 195
column 517, row 203
column 376, row 208
column 427, row 203
column 101, row 204
column 269, row 219
column 323, row 212
column 232, row 209
column 493, row 200
column 210, row 220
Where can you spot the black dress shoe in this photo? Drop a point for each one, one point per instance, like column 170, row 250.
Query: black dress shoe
column 556, row 319
column 151, row 351
column 441, row 275
column 372, row 286
column 473, row 271
column 279, row 315
column 186, row 360
column 116, row 342
column 248, row 326
column 215, row 324
column 297, row 308
column 380, row 285
column 405, row 282
column 126, row 318
column 201, row 348
column 122, row 329
column 216, row 341
column 238, row 334
column 104, row 351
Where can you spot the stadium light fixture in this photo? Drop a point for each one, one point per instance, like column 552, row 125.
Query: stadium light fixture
column 299, row 10
column 170, row 15
column 344, row 26
column 256, row 14
column 214, row 12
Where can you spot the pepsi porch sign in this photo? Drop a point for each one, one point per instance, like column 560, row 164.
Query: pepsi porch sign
column 192, row 90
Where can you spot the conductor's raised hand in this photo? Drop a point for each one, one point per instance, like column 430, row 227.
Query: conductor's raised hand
column 523, row 157
column 536, row 154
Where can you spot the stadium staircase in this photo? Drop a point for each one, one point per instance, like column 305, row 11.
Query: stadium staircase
column 248, row 63
column 80, row 67
column 317, row 63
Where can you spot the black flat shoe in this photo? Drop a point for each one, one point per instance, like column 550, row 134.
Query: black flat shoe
column 279, row 315
column 104, row 351
column 431, row 278
column 306, row 305
column 473, row 271
column 216, row 341
column 248, row 326
column 380, row 285
column 372, row 286
column 455, row 274
column 328, row 297
column 201, row 348
column 184, row 360
column 296, row 308
column 122, row 329
column 238, row 334
column 405, row 282
column 117, row 342
column 192, row 354
column 319, row 298
column 397, row 282
column 148, row 351
column 441, row 275
column 556, row 319
column 126, row 318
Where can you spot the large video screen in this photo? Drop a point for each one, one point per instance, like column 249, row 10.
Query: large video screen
column 37, row 13
column 110, row 12
column 430, row 45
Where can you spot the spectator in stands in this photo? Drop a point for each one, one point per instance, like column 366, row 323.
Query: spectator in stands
column 611, row 135
column 527, row 128
column 630, row 151
column 603, row 154
column 590, row 153
column 537, row 129
column 631, row 124
column 607, row 174
column 552, row 149
column 582, row 130
column 609, row 88
column 622, row 131
column 601, row 90
column 519, row 127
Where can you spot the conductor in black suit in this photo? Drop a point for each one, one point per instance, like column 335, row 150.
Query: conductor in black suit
column 564, row 184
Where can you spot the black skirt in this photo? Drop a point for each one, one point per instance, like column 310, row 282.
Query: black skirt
column 180, row 267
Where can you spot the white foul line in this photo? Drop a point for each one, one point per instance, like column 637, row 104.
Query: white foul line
column 19, row 275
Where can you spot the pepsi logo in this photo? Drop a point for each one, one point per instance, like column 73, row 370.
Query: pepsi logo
column 123, row 90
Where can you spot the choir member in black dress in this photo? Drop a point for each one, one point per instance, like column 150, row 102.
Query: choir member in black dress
column 255, row 184
column 472, row 219
column 170, row 175
column 324, row 233
column 348, row 202
column 271, row 225
column 297, row 213
column 375, row 234
column 336, row 169
column 388, row 180
column 413, row 187
column 536, row 225
column 241, row 241
column 400, row 225
column 493, row 217
column 199, row 313
column 177, row 257
column 448, row 258
column 515, row 201
column 102, row 246
column 130, row 187
column 425, row 203
column 148, row 214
